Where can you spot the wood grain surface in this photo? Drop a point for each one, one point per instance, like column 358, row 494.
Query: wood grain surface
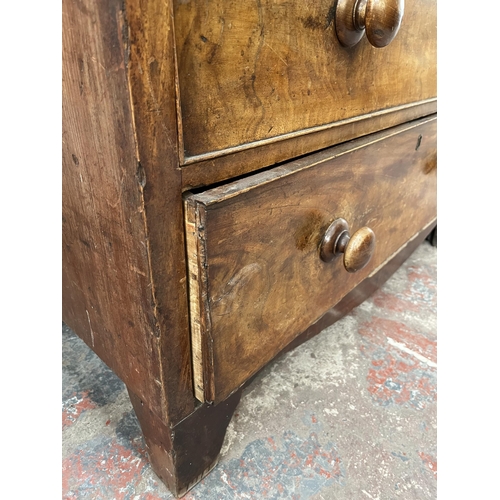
column 107, row 292
column 152, row 78
column 206, row 171
column 252, row 71
column 124, row 271
column 359, row 293
column 254, row 257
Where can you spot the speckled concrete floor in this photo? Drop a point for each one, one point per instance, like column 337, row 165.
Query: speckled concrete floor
column 351, row 414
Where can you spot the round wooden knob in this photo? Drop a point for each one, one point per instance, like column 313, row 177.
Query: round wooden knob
column 357, row 249
column 380, row 19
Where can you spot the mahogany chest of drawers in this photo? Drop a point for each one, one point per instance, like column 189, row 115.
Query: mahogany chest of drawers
column 236, row 176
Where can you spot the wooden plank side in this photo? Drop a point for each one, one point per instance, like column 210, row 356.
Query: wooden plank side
column 153, row 88
column 106, row 274
column 266, row 281
column 253, row 71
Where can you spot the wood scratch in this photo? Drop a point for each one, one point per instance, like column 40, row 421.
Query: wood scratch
column 277, row 55
column 233, row 288
column 120, row 191
column 95, row 61
column 77, row 286
column 90, row 325
column 138, row 271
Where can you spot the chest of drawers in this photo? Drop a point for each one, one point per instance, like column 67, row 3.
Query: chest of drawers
column 236, row 176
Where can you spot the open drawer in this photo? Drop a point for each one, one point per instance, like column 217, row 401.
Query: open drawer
column 257, row 278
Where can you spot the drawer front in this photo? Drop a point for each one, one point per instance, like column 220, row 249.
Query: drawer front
column 256, row 277
column 261, row 71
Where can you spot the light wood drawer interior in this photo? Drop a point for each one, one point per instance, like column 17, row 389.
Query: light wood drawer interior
column 256, row 279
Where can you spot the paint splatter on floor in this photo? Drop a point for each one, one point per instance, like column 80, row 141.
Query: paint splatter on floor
column 351, row 414
column 291, row 467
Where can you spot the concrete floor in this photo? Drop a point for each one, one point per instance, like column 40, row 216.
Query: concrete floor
column 351, row 414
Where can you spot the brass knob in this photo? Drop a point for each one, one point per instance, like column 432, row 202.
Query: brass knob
column 380, row 19
column 357, row 249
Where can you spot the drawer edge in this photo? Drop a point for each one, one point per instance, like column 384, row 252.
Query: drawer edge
column 212, row 170
column 235, row 188
column 189, row 160
column 201, row 346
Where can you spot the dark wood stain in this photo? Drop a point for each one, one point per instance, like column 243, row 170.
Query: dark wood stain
column 123, row 238
column 309, row 234
column 313, row 23
column 155, row 116
column 331, row 14
column 190, row 448
column 359, row 294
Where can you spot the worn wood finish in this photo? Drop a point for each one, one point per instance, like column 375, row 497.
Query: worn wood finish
column 254, row 71
column 152, row 78
column 252, row 244
column 197, row 439
column 362, row 291
column 107, row 293
column 124, row 288
column 191, row 447
column 255, row 253
column 243, row 160
column 357, row 249
column 380, row 19
column 359, row 294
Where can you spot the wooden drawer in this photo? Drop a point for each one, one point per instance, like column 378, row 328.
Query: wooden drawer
column 253, row 73
column 255, row 275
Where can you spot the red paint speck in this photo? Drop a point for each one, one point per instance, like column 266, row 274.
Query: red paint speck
column 378, row 329
column 430, row 462
column 325, row 473
column 396, row 376
column 393, row 303
column 113, row 470
column 272, row 443
column 74, row 407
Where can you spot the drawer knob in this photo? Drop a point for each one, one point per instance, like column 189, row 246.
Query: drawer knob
column 357, row 249
column 380, row 19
